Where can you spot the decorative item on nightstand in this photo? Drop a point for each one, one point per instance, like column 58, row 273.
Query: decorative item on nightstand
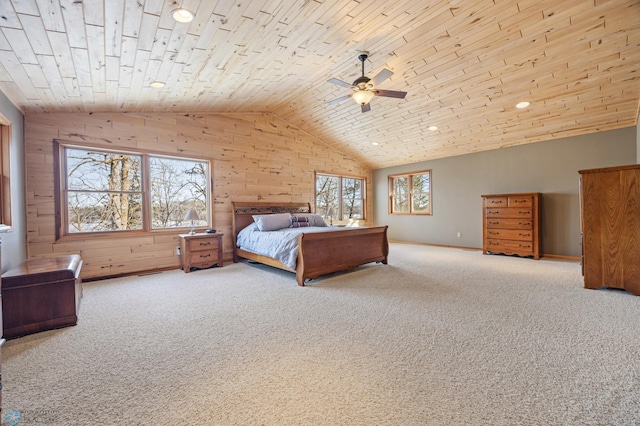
column 192, row 215
column 330, row 214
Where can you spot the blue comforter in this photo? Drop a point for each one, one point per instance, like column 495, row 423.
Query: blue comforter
column 281, row 244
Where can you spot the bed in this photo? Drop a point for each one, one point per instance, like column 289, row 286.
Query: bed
column 318, row 253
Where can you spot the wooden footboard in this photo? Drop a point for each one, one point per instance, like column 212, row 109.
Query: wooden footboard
column 327, row 252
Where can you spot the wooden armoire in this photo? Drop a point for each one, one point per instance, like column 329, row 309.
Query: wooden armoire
column 610, row 226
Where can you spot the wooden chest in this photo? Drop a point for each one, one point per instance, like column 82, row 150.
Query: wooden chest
column 200, row 251
column 41, row 294
column 511, row 224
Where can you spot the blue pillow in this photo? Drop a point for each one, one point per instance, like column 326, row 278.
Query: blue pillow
column 272, row 222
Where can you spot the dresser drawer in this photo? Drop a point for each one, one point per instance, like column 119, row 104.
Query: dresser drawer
column 510, row 234
column 509, row 212
column 521, row 248
column 521, row 201
column 497, row 202
column 501, row 223
column 203, row 244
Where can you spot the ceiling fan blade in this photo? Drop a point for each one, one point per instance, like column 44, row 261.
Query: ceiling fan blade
column 340, row 99
column 390, row 93
column 381, row 76
column 339, row 82
column 366, row 107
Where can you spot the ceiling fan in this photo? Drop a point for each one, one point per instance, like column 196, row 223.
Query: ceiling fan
column 365, row 88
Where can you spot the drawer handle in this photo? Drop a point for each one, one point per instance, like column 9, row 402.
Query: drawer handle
column 519, row 201
column 208, row 243
column 523, row 235
column 495, row 202
column 524, row 223
column 493, row 223
column 524, row 246
column 525, row 212
column 494, row 233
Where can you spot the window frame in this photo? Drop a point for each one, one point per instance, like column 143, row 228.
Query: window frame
column 61, row 191
column 5, row 171
column 410, row 193
column 340, row 213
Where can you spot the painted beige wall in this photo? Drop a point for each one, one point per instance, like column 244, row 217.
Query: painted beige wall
column 257, row 157
column 548, row 167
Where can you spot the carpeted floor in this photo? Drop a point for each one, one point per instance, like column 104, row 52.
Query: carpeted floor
column 437, row 337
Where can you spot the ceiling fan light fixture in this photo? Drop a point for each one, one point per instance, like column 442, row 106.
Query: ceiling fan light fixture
column 182, row 15
column 362, row 97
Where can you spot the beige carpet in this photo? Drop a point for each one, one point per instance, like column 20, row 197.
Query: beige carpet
column 437, row 337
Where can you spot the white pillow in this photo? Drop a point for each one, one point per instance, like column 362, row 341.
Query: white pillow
column 314, row 219
column 272, row 222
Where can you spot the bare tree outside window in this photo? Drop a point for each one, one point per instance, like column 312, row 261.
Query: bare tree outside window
column 104, row 191
column 410, row 193
column 420, row 191
column 177, row 186
column 343, row 197
column 352, row 199
column 327, row 195
column 400, row 195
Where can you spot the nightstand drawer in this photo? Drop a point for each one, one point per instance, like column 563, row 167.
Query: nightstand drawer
column 203, row 244
column 203, row 256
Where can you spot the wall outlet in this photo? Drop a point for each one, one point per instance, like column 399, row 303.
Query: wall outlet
column 459, row 235
column 177, row 251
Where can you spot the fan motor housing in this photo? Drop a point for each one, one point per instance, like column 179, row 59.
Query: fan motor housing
column 361, row 80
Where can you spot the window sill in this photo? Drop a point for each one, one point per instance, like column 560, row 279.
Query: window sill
column 125, row 234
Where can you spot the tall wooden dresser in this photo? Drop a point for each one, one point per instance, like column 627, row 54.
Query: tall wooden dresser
column 610, row 225
column 511, row 224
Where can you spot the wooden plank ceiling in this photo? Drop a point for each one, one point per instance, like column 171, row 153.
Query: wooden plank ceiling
column 465, row 64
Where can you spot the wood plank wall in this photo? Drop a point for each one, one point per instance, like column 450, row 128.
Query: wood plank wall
column 257, row 157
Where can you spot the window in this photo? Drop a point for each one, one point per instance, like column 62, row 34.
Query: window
column 410, row 193
column 5, row 175
column 341, row 198
column 118, row 191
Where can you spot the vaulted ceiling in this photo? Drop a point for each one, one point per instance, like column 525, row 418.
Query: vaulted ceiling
column 465, row 65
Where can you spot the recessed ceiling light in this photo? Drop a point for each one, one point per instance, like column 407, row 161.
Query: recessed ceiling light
column 182, row 15
column 375, row 143
column 433, row 128
column 157, row 84
column 523, row 104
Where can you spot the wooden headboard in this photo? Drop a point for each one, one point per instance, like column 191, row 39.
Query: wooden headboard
column 243, row 212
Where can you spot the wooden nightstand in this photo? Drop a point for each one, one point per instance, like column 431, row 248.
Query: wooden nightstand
column 200, row 250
